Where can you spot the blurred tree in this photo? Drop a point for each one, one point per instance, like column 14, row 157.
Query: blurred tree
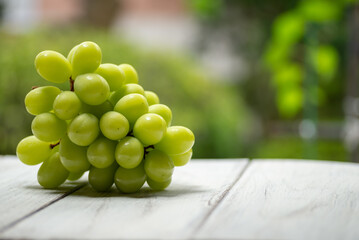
column 292, row 33
column 101, row 13
column 300, row 36
column 245, row 24
column 303, row 42
column 1, row 11
column 351, row 109
column 248, row 25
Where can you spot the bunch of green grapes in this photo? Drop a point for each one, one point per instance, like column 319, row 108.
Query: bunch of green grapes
column 106, row 123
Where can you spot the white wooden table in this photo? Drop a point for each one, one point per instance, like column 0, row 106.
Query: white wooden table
column 208, row 199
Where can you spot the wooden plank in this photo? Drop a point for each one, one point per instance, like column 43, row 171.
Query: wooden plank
column 172, row 214
column 289, row 200
column 20, row 194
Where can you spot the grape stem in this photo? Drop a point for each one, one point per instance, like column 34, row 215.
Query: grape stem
column 149, row 148
column 33, row 87
column 72, row 84
column 54, row 145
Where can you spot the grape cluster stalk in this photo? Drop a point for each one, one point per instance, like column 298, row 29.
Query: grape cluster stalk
column 106, row 123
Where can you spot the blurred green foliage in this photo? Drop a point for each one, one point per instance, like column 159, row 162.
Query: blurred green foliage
column 271, row 38
column 275, row 31
column 294, row 148
column 206, row 9
column 215, row 112
column 292, row 39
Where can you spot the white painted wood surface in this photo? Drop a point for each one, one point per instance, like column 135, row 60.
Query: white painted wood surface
column 208, row 199
column 289, row 200
column 20, row 194
column 175, row 213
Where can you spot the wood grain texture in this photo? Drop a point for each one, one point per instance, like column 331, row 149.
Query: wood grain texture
column 286, row 199
column 20, row 194
column 172, row 214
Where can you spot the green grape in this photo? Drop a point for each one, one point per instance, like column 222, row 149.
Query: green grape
column 97, row 110
column 113, row 98
column 32, row 151
column 73, row 176
column 181, row 159
column 101, row 179
column 53, row 66
column 132, row 88
column 163, row 111
column 73, row 157
column 52, row 173
column 114, row 76
column 158, row 186
column 132, row 106
column 125, row 90
column 129, row 152
column 85, row 58
column 101, row 153
column 67, row 105
column 71, row 53
column 130, row 73
column 91, row 88
column 152, row 98
column 40, row 99
column 158, row 166
column 150, row 128
column 114, row 125
column 130, row 180
column 83, row 129
column 47, row 127
column 177, row 140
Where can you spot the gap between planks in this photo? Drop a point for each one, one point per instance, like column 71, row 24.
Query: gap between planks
column 12, row 224
column 223, row 196
column 200, row 224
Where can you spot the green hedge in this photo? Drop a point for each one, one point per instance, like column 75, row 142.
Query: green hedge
column 295, row 148
column 214, row 111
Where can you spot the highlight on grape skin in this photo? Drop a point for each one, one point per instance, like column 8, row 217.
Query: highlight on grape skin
column 104, row 123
